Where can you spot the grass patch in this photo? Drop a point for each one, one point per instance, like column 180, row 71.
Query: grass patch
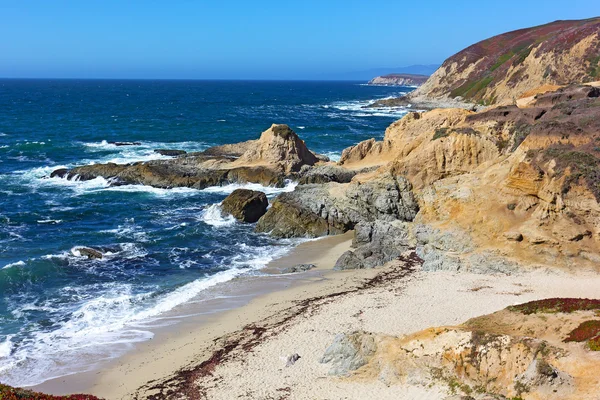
column 501, row 60
column 594, row 71
column 441, row 133
column 556, row 305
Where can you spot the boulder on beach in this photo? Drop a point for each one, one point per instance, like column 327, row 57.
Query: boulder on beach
column 246, row 205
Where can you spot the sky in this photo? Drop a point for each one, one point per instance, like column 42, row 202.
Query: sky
column 245, row 39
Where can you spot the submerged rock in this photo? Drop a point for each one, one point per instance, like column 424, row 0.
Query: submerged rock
column 89, row 253
column 246, row 205
column 170, row 153
column 278, row 154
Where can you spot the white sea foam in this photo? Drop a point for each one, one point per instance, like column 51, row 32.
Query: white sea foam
column 6, row 347
column 212, row 215
column 49, row 221
column 334, row 155
column 15, row 264
column 107, row 325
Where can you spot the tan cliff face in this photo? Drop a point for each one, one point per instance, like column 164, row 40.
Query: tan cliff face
column 539, row 350
column 523, row 183
column 500, row 69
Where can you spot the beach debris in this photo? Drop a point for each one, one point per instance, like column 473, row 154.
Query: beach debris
column 291, row 359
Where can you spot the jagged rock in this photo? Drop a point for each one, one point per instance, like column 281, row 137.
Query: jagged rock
column 279, row 145
column 377, row 243
column 298, row 268
column 348, row 352
column 277, row 154
column 318, row 210
column 89, row 253
column 59, row 173
column 348, row 260
column 246, row 205
column 170, row 153
column 325, row 174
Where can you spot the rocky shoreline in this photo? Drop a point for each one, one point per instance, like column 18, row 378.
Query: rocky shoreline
column 498, row 191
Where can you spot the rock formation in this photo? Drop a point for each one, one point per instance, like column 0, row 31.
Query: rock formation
column 317, row 210
column 502, row 68
column 246, row 205
column 543, row 349
column 399, row 80
column 277, row 154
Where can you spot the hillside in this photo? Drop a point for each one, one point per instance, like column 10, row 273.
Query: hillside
column 500, row 69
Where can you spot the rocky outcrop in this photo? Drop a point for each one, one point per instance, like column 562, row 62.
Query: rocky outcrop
column 277, row 154
column 500, row 69
column 246, row 205
column 543, row 349
column 325, row 173
column 399, row 80
column 318, row 210
column 170, row 153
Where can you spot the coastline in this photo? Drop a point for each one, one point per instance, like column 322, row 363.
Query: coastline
column 207, row 318
column 235, row 353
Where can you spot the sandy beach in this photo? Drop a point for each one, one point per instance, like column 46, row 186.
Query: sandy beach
column 242, row 352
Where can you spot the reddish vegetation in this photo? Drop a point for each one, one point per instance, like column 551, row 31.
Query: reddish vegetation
column 10, row 393
column 499, row 53
column 556, row 305
column 585, row 331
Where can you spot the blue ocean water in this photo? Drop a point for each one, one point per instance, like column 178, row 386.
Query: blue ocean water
column 60, row 311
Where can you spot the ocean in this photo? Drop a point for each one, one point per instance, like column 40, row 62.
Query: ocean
column 60, row 312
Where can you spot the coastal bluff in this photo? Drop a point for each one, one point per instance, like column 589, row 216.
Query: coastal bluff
column 399, row 80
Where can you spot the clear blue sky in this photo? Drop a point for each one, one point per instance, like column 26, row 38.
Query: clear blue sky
column 245, row 39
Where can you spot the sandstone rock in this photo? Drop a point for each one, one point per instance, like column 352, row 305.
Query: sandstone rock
column 170, row 153
column 276, row 155
column 279, row 145
column 246, row 205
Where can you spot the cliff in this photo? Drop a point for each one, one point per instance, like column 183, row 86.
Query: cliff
column 399, row 80
column 500, row 69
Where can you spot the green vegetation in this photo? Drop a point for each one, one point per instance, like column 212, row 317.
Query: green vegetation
column 556, row 305
column 469, row 90
column 594, row 70
column 441, row 133
column 11, row 393
column 501, row 60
